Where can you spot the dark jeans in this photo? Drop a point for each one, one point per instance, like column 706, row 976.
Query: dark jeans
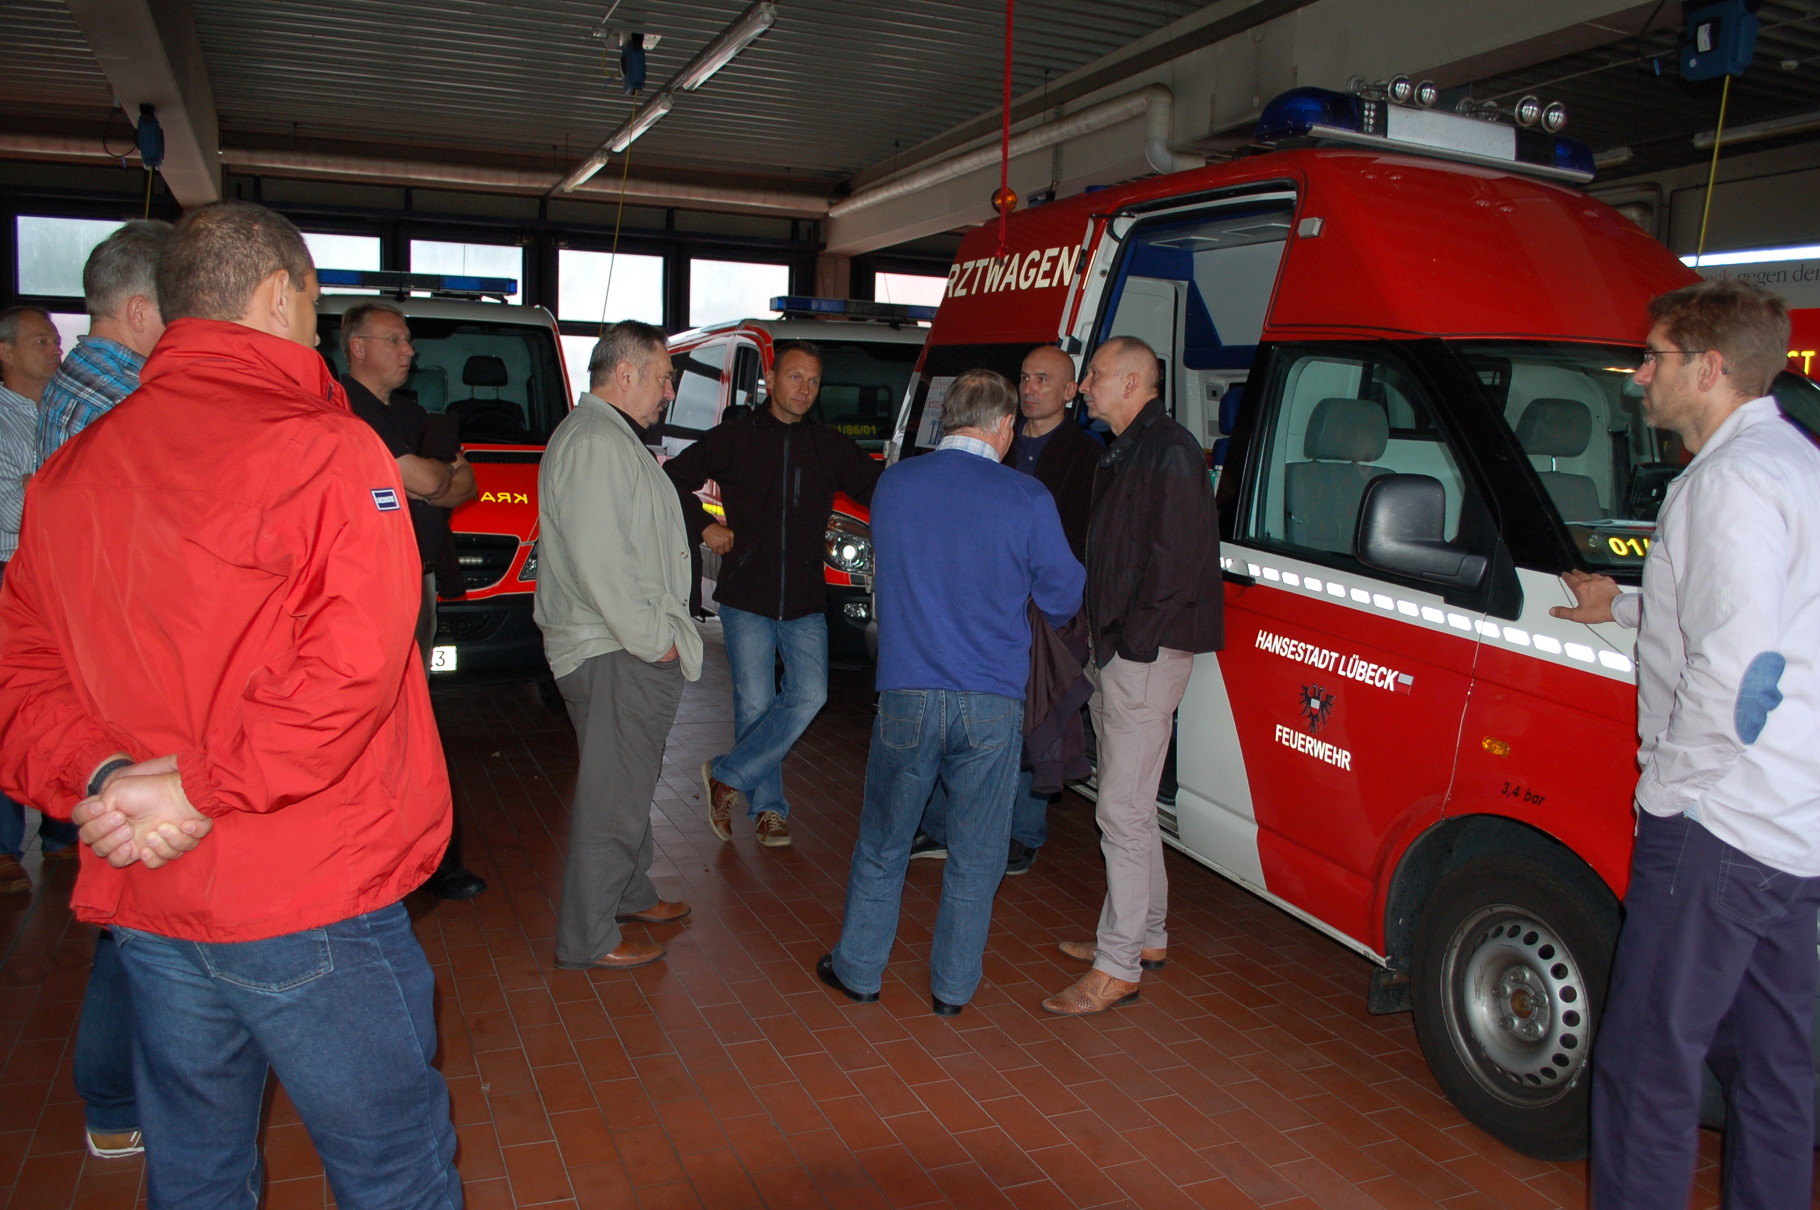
column 104, row 1044
column 971, row 741
column 1716, row 959
column 1029, row 814
column 342, row 1014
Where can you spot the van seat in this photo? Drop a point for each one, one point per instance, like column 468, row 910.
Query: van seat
column 1321, row 496
column 487, row 418
column 1561, row 428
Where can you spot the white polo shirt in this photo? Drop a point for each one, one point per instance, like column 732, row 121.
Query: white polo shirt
column 1728, row 695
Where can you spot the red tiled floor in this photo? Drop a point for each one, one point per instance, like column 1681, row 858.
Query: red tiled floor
column 727, row 1077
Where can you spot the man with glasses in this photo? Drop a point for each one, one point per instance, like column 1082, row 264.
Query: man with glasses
column 1716, row 961
column 377, row 343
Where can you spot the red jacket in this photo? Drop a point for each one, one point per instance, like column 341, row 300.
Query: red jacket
column 223, row 567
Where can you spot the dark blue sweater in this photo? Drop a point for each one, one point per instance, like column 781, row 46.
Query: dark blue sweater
column 962, row 544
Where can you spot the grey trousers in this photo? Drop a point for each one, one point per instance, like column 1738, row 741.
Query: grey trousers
column 622, row 709
column 1132, row 706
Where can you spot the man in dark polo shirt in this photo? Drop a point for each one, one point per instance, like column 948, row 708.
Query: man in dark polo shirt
column 376, row 341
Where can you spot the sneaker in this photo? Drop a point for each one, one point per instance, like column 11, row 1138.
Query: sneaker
column 773, row 833
column 13, row 878
column 722, row 798
column 1019, row 860
column 926, row 845
column 105, row 1145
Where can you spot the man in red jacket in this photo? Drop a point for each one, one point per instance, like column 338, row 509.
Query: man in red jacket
column 206, row 661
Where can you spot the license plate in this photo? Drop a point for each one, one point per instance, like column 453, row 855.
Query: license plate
column 442, row 659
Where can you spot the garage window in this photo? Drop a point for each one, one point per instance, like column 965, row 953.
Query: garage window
column 912, row 289
column 593, row 287
column 730, row 289
column 477, row 260
column 331, row 250
column 52, row 252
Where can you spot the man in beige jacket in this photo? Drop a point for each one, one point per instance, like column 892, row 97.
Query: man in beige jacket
column 613, row 603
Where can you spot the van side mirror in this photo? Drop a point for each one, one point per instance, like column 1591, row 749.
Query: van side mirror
column 1402, row 520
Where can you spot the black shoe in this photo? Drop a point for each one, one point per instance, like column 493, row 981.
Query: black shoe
column 926, row 845
column 944, row 1009
column 1020, row 859
column 824, row 967
column 457, row 883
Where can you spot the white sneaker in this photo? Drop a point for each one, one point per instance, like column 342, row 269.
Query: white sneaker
column 105, row 1145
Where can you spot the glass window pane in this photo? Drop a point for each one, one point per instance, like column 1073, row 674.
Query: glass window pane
column 724, row 289
column 575, row 353
column 915, row 289
column 69, row 327
column 597, row 286
column 331, row 251
column 697, row 404
column 479, row 260
column 52, row 252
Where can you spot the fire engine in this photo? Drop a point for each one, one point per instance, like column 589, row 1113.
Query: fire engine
column 1407, row 346
column 868, row 351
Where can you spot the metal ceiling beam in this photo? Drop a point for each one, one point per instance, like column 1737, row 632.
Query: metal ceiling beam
column 151, row 55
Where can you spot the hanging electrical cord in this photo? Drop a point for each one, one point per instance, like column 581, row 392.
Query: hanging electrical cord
column 1004, row 199
column 149, row 174
column 625, row 174
column 1712, row 175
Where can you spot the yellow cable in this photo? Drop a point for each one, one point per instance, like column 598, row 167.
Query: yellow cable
column 613, row 257
column 148, row 193
column 1712, row 175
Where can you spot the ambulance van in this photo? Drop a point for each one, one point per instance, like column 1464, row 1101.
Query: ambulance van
column 1408, row 345
column 498, row 370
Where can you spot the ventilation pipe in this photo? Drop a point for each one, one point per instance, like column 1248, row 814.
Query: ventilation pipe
column 1155, row 103
column 439, row 175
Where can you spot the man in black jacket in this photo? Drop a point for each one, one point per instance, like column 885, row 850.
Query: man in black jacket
column 1153, row 601
column 778, row 473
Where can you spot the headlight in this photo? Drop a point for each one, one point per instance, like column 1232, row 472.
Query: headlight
column 848, row 545
column 528, row 573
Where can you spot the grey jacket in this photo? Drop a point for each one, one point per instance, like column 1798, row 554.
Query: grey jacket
column 613, row 566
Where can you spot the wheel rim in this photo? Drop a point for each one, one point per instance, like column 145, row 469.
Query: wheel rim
column 1516, row 1005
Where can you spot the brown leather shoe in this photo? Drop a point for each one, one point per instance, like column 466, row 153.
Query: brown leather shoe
column 1095, row 992
column 661, row 912
column 13, row 877
column 54, row 857
column 628, row 955
column 772, row 831
column 722, row 798
column 1148, row 958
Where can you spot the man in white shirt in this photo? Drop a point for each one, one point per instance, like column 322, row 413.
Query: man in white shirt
column 1716, row 960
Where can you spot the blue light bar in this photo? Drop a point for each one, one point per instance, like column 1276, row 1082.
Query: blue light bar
column 851, row 308
column 1299, row 111
column 393, row 281
column 1325, row 116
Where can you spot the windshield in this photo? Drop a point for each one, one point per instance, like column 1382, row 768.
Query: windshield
column 503, row 382
column 1577, row 413
column 862, row 384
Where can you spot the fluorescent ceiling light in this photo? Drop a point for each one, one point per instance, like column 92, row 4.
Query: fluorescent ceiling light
column 727, row 44
column 1796, row 123
column 639, row 122
column 1613, row 157
column 1753, row 256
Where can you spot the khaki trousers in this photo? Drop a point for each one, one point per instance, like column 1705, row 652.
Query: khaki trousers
column 1133, row 707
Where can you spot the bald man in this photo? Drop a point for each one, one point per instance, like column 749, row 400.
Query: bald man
column 1153, row 602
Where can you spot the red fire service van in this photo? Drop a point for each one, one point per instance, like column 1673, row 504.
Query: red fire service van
column 498, row 369
column 868, row 351
column 1407, row 345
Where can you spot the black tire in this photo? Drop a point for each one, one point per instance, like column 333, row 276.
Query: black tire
column 1509, row 971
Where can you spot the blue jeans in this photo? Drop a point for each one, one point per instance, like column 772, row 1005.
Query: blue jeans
column 768, row 720
column 1029, row 814
column 971, row 741
column 104, row 1044
column 343, row 1015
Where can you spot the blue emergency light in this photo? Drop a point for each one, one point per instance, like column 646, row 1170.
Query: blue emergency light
column 849, row 308
column 1323, row 115
column 392, row 281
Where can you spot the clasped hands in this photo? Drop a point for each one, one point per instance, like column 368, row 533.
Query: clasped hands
column 142, row 815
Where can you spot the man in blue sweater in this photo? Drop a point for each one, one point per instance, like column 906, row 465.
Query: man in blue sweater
column 963, row 545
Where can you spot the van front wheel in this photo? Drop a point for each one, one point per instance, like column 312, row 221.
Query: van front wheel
column 1509, row 973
